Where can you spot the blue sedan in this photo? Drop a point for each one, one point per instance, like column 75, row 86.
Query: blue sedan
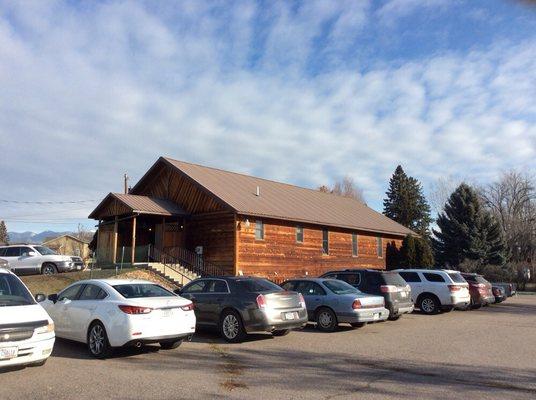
column 330, row 302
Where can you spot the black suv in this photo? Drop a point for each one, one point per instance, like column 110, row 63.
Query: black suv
column 390, row 285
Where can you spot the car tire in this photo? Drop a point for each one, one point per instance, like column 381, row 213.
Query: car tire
column 326, row 320
column 447, row 309
column 281, row 332
column 231, row 327
column 39, row 363
column 48, row 269
column 394, row 317
column 170, row 344
column 429, row 304
column 97, row 341
column 358, row 324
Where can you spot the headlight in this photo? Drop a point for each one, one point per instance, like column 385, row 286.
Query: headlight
column 45, row 329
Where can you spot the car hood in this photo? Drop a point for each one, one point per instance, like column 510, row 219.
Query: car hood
column 20, row 314
column 56, row 257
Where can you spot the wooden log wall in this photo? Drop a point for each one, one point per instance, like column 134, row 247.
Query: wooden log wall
column 279, row 256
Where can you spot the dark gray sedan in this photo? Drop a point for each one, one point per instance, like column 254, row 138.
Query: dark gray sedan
column 331, row 301
column 241, row 305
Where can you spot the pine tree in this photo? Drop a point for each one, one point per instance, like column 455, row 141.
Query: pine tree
column 4, row 237
column 405, row 203
column 408, row 255
column 467, row 231
column 424, row 253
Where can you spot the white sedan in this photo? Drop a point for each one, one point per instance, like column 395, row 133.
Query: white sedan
column 107, row 313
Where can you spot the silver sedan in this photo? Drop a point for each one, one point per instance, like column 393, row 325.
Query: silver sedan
column 330, row 302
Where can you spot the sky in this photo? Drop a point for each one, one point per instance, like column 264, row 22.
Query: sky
column 300, row 92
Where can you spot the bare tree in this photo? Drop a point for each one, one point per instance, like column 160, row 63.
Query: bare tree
column 512, row 199
column 440, row 191
column 84, row 234
column 347, row 188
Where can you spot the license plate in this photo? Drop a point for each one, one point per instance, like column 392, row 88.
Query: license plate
column 167, row 312
column 376, row 316
column 8, row 352
column 290, row 315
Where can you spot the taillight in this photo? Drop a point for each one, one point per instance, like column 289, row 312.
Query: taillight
column 302, row 300
column 356, row 304
column 455, row 288
column 135, row 309
column 188, row 307
column 388, row 289
column 261, row 301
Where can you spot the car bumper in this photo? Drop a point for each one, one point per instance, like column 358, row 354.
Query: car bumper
column 401, row 308
column 460, row 301
column 65, row 266
column 29, row 351
column 271, row 320
column 364, row 315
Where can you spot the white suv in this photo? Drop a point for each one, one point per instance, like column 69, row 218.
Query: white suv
column 34, row 259
column 434, row 290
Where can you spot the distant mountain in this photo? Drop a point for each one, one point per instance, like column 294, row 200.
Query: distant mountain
column 32, row 237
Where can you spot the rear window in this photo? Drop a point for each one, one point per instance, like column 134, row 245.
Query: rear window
column 13, row 292
column 410, row 276
column 431, row 277
column 141, row 290
column 456, row 278
column 340, row 287
column 481, row 279
column 257, row 285
column 393, row 278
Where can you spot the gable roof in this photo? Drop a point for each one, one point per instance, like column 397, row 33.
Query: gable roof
column 140, row 204
column 284, row 201
column 67, row 236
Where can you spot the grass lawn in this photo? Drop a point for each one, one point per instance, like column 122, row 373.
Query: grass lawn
column 55, row 283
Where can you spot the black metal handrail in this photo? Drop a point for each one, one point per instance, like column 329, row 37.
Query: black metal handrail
column 185, row 258
column 168, row 262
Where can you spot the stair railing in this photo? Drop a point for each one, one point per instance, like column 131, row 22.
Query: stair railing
column 167, row 261
column 187, row 259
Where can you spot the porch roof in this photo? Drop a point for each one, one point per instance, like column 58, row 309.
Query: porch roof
column 119, row 204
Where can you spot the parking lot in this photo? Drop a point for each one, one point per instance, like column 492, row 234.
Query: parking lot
column 487, row 353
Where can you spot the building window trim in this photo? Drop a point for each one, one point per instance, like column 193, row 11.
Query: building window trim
column 355, row 245
column 379, row 246
column 259, row 230
column 325, row 241
column 299, row 234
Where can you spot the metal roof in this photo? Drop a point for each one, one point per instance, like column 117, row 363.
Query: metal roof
column 141, row 205
column 288, row 202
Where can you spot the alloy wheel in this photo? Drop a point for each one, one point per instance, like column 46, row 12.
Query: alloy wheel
column 325, row 319
column 96, row 340
column 230, row 326
column 48, row 270
column 428, row 305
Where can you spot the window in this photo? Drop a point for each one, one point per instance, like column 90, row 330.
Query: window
column 410, row 276
column 12, row 252
column 308, row 288
column 92, row 292
column 217, row 286
column 456, row 277
column 45, row 251
column 196, row 287
column 13, row 292
column 352, row 279
column 25, row 251
column 433, row 277
column 3, row 251
column 256, row 285
column 71, row 293
column 340, row 287
column 142, row 290
column 325, row 241
column 288, row 285
column 379, row 244
column 393, row 278
column 354, row 245
column 259, row 230
column 299, row 234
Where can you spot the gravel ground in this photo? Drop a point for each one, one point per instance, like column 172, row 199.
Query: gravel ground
column 481, row 354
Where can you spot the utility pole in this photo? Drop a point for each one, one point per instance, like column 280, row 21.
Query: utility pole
column 126, row 183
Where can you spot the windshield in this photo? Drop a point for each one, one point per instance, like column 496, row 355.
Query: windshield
column 13, row 292
column 141, row 290
column 257, row 285
column 340, row 287
column 457, row 278
column 45, row 251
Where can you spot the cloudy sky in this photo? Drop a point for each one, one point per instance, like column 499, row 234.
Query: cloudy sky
column 302, row 92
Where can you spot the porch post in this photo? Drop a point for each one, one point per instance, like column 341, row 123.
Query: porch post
column 133, row 250
column 98, row 252
column 114, row 250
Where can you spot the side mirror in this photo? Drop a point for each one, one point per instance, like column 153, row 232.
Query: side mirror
column 53, row 298
column 31, row 254
column 40, row 297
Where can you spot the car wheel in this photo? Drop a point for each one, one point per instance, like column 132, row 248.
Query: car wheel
column 170, row 345
column 447, row 309
column 429, row 305
column 97, row 341
column 358, row 324
column 49, row 269
column 281, row 332
column 394, row 317
column 326, row 320
column 39, row 363
column 231, row 327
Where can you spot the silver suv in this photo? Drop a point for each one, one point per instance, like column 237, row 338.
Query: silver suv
column 35, row 259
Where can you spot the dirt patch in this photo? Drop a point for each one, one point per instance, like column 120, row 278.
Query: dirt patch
column 231, row 368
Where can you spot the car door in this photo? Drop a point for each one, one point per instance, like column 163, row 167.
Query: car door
column 12, row 255
column 60, row 311
column 80, row 311
column 195, row 291
column 27, row 262
column 313, row 295
column 414, row 280
column 217, row 297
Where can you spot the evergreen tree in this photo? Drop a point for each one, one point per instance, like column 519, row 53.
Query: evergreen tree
column 424, row 253
column 467, row 231
column 405, row 203
column 4, row 237
column 408, row 255
column 416, row 252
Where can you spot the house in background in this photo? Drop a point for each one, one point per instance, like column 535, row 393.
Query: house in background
column 69, row 245
column 240, row 224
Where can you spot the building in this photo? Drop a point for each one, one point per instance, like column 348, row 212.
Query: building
column 239, row 224
column 69, row 245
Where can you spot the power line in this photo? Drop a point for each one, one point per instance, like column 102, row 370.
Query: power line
column 47, row 202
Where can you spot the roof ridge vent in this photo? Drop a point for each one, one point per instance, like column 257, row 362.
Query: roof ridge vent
column 258, row 192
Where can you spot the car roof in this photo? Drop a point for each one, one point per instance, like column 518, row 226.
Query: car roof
column 112, row 282
column 311, row 279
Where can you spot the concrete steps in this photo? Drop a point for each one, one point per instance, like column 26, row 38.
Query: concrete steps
column 178, row 275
